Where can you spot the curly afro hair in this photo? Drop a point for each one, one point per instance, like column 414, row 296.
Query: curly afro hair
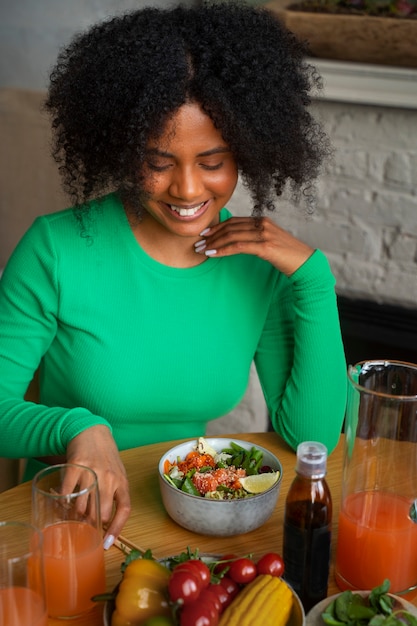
column 117, row 85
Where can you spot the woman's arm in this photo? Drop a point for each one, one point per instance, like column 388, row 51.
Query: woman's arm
column 29, row 300
column 300, row 357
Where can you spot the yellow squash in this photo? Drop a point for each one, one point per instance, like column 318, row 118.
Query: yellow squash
column 267, row 600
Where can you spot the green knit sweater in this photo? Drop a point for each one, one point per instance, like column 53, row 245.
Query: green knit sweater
column 154, row 351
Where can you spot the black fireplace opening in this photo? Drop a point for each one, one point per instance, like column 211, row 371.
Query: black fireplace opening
column 371, row 330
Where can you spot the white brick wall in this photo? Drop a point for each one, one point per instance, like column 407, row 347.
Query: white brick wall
column 366, row 215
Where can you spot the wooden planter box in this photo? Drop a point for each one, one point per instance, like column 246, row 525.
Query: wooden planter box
column 381, row 40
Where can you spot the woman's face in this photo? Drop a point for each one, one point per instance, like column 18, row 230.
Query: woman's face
column 190, row 173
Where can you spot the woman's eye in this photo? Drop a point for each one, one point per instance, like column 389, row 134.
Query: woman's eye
column 215, row 166
column 157, row 167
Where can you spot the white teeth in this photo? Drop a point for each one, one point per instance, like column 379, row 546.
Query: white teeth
column 185, row 212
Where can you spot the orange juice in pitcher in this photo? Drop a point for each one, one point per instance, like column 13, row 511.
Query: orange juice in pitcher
column 377, row 536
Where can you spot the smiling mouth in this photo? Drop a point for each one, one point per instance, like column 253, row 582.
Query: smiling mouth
column 187, row 211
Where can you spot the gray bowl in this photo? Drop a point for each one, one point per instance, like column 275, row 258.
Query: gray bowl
column 220, row 518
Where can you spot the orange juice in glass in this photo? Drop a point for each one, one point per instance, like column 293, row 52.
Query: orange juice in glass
column 20, row 606
column 65, row 505
column 22, row 591
column 377, row 531
column 74, row 567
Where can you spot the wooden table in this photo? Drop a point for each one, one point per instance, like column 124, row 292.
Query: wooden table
column 150, row 527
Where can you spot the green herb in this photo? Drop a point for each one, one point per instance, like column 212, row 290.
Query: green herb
column 377, row 609
column 188, row 487
column 250, row 460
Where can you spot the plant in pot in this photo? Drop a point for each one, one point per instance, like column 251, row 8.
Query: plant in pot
column 367, row 31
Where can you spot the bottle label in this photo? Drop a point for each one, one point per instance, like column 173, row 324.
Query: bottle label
column 306, row 554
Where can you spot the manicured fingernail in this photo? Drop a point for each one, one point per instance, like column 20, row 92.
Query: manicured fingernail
column 108, row 542
column 204, row 232
column 201, row 248
column 200, row 243
column 210, row 252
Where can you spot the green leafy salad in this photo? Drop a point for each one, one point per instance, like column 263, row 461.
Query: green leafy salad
column 377, row 609
column 220, row 475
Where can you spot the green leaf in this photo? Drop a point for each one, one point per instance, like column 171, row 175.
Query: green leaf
column 386, row 604
column 341, row 606
column 377, row 592
column 377, row 620
column 189, row 487
column 330, row 620
column 359, row 612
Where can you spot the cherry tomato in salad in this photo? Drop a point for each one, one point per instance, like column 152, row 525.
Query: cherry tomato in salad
column 271, row 563
column 199, row 614
column 198, row 568
column 183, row 586
column 242, row 571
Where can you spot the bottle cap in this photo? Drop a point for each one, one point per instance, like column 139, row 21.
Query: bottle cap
column 311, row 459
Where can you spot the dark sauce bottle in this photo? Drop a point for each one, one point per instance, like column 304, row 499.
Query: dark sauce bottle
column 307, row 526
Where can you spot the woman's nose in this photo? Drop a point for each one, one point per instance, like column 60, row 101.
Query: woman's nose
column 186, row 183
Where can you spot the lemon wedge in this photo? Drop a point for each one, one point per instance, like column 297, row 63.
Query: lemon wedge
column 259, row 482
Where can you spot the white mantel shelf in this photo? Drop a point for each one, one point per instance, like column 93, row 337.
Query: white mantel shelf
column 368, row 84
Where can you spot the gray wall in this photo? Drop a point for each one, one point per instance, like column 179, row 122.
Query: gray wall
column 32, row 31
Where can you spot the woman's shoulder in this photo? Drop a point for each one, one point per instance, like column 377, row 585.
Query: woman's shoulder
column 83, row 221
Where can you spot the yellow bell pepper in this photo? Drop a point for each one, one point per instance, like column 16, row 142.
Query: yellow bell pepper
column 142, row 593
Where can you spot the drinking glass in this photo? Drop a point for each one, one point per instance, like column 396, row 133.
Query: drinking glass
column 22, row 590
column 66, row 507
column 377, row 532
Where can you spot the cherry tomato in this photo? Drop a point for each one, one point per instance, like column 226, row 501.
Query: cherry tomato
column 198, row 568
column 242, row 571
column 220, row 567
column 222, row 594
column 271, row 563
column 199, row 614
column 230, row 585
column 211, row 597
column 183, row 586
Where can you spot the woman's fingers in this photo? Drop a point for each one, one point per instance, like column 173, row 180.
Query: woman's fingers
column 96, row 448
column 255, row 236
column 122, row 509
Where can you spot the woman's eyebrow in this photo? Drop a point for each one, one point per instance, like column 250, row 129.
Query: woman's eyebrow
column 169, row 155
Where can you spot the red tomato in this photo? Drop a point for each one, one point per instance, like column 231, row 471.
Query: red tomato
column 242, row 571
column 199, row 614
column 198, row 568
column 211, row 597
column 222, row 594
column 230, row 585
column 220, row 567
column 271, row 563
column 183, row 586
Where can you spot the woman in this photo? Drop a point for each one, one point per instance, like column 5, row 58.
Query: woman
column 144, row 305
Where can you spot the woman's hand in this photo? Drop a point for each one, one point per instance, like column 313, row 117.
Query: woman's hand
column 96, row 448
column 258, row 236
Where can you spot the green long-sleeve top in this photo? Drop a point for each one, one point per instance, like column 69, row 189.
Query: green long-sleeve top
column 154, row 352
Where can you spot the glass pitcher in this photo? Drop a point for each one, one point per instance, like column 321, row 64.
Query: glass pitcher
column 377, row 530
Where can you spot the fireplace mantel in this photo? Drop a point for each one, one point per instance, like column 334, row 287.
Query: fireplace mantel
column 361, row 83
